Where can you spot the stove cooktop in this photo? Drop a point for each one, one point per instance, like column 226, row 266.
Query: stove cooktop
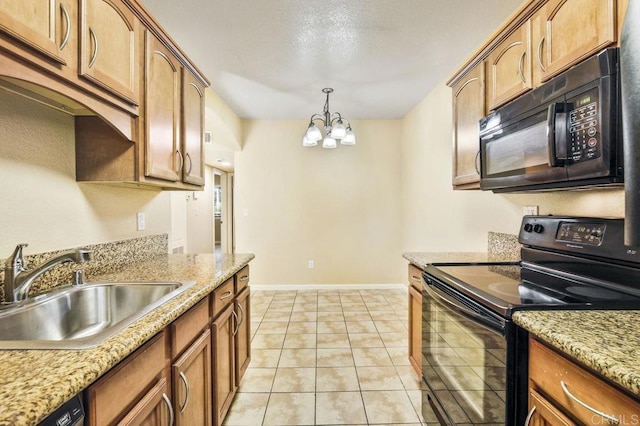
column 507, row 287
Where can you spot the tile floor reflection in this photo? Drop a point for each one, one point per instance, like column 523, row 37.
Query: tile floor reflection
column 328, row 357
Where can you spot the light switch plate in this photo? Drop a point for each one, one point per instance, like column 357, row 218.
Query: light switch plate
column 530, row 210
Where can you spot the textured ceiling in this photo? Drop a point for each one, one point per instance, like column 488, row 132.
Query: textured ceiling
column 270, row 59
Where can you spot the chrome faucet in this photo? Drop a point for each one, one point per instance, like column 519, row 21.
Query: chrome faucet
column 18, row 281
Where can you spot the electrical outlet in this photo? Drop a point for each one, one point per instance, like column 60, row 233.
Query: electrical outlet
column 312, row 264
column 140, row 220
column 530, row 210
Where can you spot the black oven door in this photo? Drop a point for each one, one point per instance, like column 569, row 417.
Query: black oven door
column 469, row 369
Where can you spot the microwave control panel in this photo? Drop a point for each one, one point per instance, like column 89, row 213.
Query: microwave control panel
column 584, row 129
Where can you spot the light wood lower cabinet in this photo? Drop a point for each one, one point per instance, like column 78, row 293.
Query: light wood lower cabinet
column 224, row 383
column 191, row 376
column 134, row 390
column 243, row 334
column 563, row 393
column 154, row 408
column 415, row 318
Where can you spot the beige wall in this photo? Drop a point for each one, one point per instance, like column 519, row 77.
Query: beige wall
column 436, row 218
column 200, row 217
column 41, row 203
column 340, row 208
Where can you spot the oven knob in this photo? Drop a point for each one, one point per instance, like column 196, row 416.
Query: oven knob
column 538, row 229
column 528, row 227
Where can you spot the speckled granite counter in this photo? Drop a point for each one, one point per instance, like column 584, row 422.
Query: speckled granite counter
column 605, row 341
column 34, row 383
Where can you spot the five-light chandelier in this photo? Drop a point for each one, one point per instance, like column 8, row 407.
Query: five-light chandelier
column 334, row 126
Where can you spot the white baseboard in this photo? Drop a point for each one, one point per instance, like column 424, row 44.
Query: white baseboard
column 291, row 287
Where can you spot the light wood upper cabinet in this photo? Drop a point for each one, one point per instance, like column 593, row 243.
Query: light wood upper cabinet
column 42, row 25
column 509, row 68
column 108, row 53
column 192, row 129
column 163, row 158
column 468, row 109
column 573, row 31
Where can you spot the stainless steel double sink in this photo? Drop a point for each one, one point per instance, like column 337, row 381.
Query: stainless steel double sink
column 81, row 316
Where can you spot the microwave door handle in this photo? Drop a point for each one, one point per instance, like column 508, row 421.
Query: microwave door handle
column 554, row 110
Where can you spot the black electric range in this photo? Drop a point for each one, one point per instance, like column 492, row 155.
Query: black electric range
column 474, row 357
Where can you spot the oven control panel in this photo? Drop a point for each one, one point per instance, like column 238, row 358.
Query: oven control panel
column 581, row 233
column 601, row 237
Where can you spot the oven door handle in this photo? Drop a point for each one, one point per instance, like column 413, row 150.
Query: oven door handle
column 489, row 322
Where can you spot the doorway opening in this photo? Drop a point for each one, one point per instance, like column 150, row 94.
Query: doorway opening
column 223, row 235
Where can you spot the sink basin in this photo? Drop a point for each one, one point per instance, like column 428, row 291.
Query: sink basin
column 81, row 316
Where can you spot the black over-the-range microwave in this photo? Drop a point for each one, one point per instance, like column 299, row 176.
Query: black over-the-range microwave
column 564, row 134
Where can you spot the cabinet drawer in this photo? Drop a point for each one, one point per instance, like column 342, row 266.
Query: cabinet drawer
column 548, row 370
column 187, row 328
column 221, row 297
column 242, row 279
column 415, row 277
column 109, row 398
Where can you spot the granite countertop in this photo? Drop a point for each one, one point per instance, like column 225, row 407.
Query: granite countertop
column 604, row 341
column 33, row 383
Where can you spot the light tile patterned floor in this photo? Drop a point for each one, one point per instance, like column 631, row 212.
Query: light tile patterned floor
column 328, row 357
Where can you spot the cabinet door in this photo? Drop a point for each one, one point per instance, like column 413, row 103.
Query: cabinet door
column 415, row 329
column 468, row 109
column 224, row 385
column 43, row 25
column 192, row 129
column 509, row 67
column 108, row 55
column 544, row 413
column 243, row 334
column 154, row 409
column 575, row 30
column 191, row 377
column 163, row 158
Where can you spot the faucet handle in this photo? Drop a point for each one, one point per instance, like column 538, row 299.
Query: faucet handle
column 17, row 258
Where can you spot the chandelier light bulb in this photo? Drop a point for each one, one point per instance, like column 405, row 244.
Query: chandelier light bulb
column 349, row 138
column 329, row 142
column 338, row 131
column 313, row 133
column 307, row 142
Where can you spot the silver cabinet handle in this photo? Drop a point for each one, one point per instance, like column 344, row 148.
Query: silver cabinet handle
column 186, row 387
column 611, row 419
column 237, row 327
column 241, row 315
column 226, row 295
column 190, row 164
column 181, row 160
column 540, row 64
column 93, row 37
column 476, row 162
column 415, row 278
column 67, row 22
column 529, row 416
column 521, row 67
column 244, row 278
column 171, row 414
